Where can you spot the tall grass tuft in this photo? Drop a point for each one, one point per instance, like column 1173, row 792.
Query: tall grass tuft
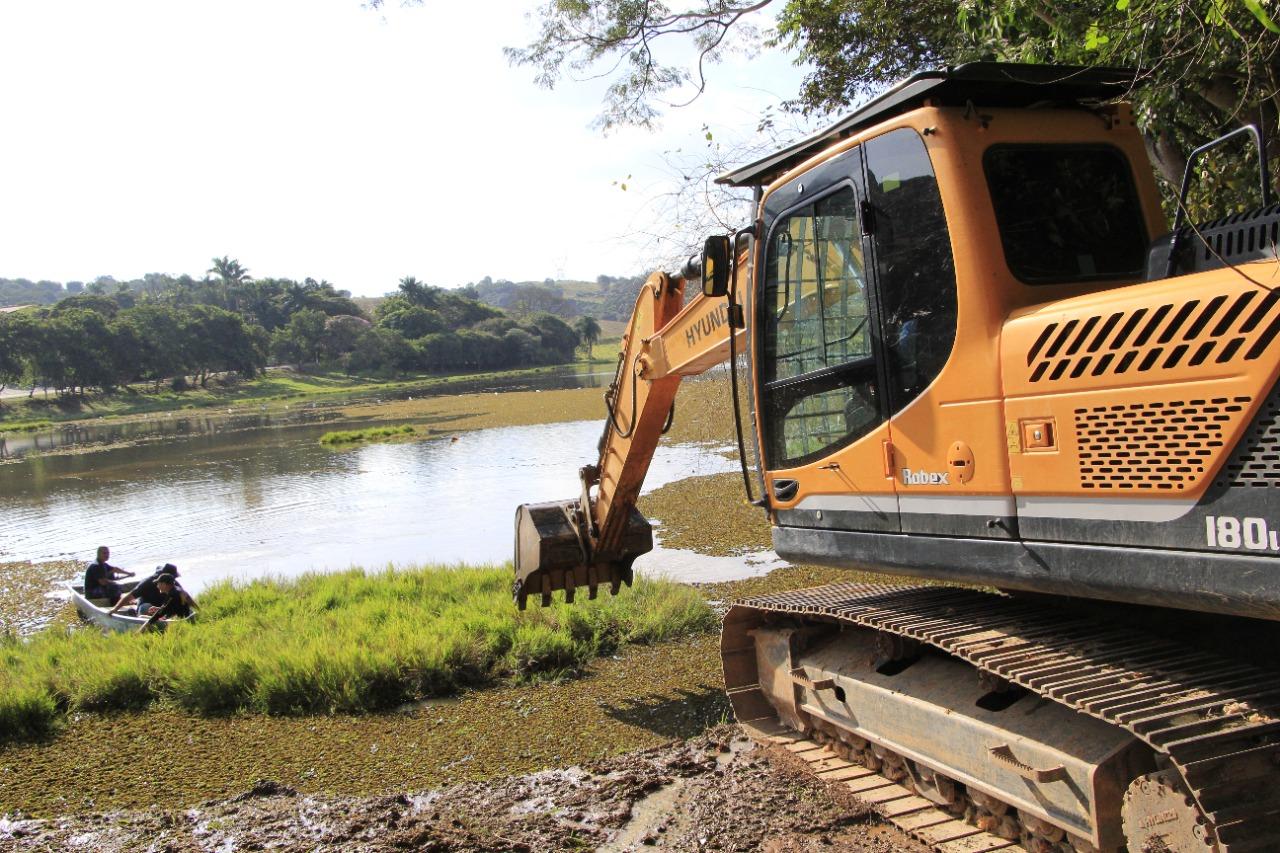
column 354, row 436
column 327, row 643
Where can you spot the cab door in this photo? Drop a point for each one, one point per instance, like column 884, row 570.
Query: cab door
column 821, row 376
column 949, row 446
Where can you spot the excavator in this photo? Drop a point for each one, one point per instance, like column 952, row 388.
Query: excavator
column 979, row 363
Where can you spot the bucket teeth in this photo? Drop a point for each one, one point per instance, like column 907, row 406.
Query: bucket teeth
column 553, row 551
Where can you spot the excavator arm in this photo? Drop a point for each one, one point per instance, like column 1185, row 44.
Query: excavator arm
column 594, row 539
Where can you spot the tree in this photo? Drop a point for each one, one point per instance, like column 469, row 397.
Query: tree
column 380, row 349
column 558, row 339
column 588, row 332
column 340, row 335
column 300, row 341
column 218, row 340
column 412, row 321
column 77, row 351
column 159, row 347
column 1208, row 66
column 416, row 293
column 262, row 302
column 577, row 37
column 99, row 303
column 232, row 275
column 522, row 346
column 13, row 349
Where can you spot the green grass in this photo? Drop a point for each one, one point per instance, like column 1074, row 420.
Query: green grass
column 333, row 643
column 353, row 436
column 28, row 426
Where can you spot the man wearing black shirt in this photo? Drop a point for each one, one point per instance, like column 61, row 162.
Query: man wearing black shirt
column 160, row 597
column 100, row 577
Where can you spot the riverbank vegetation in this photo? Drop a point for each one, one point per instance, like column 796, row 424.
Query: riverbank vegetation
column 180, row 332
column 334, row 643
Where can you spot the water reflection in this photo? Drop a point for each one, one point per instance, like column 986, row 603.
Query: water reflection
column 273, row 501
column 169, row 425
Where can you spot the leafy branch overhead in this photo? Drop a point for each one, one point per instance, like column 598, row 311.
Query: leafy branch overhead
column 617, row 39
column 1207, row 65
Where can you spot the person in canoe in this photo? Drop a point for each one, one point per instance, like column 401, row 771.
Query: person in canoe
column 100, row 577
column 160, row 597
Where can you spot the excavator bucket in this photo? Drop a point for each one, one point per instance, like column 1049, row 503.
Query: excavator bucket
column 553, row 551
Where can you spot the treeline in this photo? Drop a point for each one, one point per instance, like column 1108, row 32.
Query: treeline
column 23, row 291
column 92, row 342
column 183, row 331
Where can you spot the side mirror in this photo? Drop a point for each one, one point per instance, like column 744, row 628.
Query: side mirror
column 715, row 266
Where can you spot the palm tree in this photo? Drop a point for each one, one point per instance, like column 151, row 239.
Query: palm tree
column 232, row 274
column 418, row 293
column 588, row 331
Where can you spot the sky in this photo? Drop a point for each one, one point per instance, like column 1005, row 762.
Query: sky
column 321, row 138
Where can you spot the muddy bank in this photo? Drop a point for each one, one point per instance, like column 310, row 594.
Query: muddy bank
column 715, row 792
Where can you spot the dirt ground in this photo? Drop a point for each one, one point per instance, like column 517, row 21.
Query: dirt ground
column 718, row 791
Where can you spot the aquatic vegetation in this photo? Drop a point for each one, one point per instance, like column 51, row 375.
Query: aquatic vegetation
column 26, row 426
column 353, row 436
column 25, row 603
column 334, row 643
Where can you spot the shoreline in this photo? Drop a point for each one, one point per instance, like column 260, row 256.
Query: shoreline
column 271, row 391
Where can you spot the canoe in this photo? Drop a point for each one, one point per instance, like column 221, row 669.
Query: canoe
column 98, row 610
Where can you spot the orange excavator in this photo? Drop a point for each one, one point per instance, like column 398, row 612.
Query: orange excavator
column 977, row 356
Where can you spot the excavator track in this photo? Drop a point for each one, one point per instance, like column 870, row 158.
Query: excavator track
column 897, row 804
column 1217, row 722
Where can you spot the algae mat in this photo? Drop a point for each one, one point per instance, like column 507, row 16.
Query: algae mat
column 642, row 697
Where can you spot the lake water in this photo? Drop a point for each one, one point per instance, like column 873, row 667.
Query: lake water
column 272, row 501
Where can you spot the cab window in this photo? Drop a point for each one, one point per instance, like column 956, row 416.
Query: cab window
column 817, row 361
column 915, row 271
column 1067, row 213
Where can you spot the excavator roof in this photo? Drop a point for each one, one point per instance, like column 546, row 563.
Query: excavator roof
column 984, row 84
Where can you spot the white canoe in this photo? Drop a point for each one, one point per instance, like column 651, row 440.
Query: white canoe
column 98, row 610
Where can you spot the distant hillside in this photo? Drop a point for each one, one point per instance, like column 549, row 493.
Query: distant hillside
column 606, row 298
column 21, row 291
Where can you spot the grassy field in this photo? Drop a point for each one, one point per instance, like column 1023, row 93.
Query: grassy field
column 333, row 643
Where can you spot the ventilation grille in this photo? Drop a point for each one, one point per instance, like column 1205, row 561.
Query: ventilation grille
column 1242, row 236
column 1162, row 446
column 1210, row 330
column 1235, row 239
column 1256, row 460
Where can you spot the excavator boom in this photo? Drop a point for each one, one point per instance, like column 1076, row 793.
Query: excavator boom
column 594, row 538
